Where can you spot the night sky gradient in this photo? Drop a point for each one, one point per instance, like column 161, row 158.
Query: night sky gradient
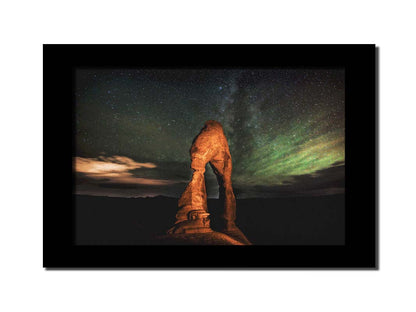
column 285, row 129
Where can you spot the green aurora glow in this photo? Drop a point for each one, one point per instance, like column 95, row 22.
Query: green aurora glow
column 281, row 125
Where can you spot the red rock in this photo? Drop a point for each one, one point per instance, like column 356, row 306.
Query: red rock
column 210, row 146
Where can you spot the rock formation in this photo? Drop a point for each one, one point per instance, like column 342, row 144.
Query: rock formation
column 210, row 146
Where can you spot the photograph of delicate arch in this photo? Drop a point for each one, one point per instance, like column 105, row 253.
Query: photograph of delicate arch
column 210, row 156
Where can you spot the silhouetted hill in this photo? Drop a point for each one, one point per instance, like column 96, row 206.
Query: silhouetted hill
column 280, row 221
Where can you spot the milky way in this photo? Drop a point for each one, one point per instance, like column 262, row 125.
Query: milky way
column 285, row 127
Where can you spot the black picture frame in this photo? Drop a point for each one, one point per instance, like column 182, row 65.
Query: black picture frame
column 360, row 249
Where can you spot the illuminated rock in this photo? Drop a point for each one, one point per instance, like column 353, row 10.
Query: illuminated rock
column 209, row 238
column 210, row 146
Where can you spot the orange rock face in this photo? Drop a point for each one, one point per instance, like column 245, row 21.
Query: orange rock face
column 210, row 146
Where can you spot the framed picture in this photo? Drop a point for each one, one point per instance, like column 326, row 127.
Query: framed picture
column 210, row 156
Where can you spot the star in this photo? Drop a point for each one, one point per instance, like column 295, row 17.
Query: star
column 281, row 124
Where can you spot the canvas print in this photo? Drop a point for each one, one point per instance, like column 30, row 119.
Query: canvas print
column 203, row 156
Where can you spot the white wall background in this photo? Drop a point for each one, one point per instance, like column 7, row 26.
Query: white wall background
column 26, row 25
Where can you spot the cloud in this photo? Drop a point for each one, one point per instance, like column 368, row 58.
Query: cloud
column 115, row 169
column 322, row 182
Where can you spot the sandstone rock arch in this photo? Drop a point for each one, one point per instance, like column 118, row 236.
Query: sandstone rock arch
column 209, row 146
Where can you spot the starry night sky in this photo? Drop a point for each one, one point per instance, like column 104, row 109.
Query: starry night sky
column 285, row 129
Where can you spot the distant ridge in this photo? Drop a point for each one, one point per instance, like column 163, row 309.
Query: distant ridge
column 237, row 198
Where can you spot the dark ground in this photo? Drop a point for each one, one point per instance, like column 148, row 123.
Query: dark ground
column 281, row 221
